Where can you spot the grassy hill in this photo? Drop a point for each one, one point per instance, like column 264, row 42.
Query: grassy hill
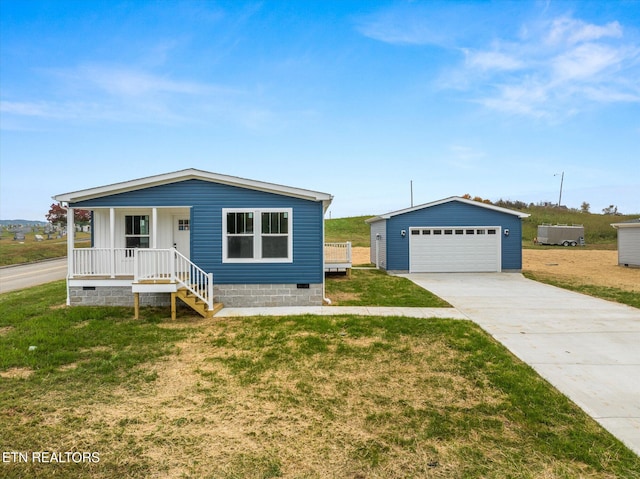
column 597, row 227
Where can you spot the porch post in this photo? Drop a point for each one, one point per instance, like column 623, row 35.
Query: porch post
column 71, row 240
column 154, row 228
column 112, row 240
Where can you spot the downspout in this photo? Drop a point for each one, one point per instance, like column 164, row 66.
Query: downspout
column 324, row 276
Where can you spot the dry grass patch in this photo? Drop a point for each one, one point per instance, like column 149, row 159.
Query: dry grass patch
column 319, row 397
column 16, row 373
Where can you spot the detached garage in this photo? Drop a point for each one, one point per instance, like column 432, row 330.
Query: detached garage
column 453, row 235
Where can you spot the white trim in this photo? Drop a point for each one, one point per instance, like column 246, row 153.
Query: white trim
column 459, row 199
column 154, row 228
column 627, row 224
column 257, row 235
column 99, row 282
column 189, row 174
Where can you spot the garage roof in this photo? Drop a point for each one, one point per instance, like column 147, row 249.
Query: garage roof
column 459, row 199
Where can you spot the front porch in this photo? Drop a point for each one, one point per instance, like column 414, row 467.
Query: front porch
column 145, row 270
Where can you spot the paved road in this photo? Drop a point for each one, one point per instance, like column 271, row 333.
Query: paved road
column 586, row 347
column 27, row 275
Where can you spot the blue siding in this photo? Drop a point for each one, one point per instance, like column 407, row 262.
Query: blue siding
column 453, row 213
column 206, row 200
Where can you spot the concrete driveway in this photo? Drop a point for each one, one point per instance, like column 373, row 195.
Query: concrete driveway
column 588, row 348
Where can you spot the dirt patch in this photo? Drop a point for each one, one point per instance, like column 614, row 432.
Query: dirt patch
column 16, row 373
column 360, row 255
column 597, row 267
column 5, row 330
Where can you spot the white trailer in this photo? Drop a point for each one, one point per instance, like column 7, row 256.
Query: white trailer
column 565, row 235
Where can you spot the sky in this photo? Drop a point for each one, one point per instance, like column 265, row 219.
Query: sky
column 375, row 102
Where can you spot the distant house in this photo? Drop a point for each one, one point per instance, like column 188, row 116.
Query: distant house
column 449, row 235
column 199, row 236
column 628, row 242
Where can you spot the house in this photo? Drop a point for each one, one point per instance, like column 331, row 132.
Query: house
column 202, row 237
column 450, row 235
column 628, row 243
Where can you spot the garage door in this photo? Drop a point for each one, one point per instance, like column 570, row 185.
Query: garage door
column 454, row 250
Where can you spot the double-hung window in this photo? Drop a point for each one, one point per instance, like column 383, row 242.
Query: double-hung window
column 257, row 235
column 136, row 231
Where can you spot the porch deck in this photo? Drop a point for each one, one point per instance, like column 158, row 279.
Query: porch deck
column 147, row 271
column 337, row 257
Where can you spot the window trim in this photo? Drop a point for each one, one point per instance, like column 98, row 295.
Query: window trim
column 257, row 235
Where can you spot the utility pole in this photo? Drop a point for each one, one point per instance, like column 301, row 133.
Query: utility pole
column 411, row 193
column 561, row 182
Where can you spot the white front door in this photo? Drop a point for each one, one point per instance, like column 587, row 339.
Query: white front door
column 182, row 235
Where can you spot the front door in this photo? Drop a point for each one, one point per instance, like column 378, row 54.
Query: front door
column 182, row 235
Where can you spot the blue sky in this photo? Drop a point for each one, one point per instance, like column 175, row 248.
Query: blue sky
column 356, row 99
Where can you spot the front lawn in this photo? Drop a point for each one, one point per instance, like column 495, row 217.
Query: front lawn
column 372, row 287
column 293, row 397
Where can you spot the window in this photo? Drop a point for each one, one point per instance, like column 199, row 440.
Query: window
column 470, row 232
column 459, row 232
column 183, row 225
column 426, row 232
column 240, row 235
column 257, row 235
column 448, row 232
column 415, row 232
column 437, row 232
column 275, row 235
column 136, row 231
column 491, row 232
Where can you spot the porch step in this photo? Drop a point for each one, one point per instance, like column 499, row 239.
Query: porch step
column 196, row 304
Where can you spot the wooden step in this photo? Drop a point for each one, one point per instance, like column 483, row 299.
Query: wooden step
column 194, row 303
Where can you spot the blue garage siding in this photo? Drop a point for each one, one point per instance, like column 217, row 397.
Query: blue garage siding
column 452, row 214
column 206, row 200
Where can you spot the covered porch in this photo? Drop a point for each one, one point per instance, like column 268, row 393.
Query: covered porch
column 145, row 249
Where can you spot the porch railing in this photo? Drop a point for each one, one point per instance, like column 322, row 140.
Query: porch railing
column 337, row 253
column 103, row 262
column 168, row 265
column 146, row 265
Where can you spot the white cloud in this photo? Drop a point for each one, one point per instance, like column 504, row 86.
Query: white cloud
column 562, row 67
column 566, row 30
column 491, row 60
column 550, row 68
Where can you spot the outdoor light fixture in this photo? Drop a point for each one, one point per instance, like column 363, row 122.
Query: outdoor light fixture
column 403, row 233
column 506, row 231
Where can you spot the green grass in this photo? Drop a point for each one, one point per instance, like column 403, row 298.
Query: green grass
column 597, row 228
column 15, row 252
column 604, row 292
column 299, row 397
column 352, row 229
column 371, row 287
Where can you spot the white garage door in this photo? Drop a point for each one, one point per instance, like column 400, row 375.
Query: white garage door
column 454, row 250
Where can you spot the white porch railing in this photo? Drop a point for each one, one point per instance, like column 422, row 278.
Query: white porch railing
column 103, row 262
column 146, row 265
column 170, row 265
column 337, row 253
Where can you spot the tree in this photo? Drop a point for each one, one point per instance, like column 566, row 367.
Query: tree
column 611, row 210
column 57, row 215
column 584, row 207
